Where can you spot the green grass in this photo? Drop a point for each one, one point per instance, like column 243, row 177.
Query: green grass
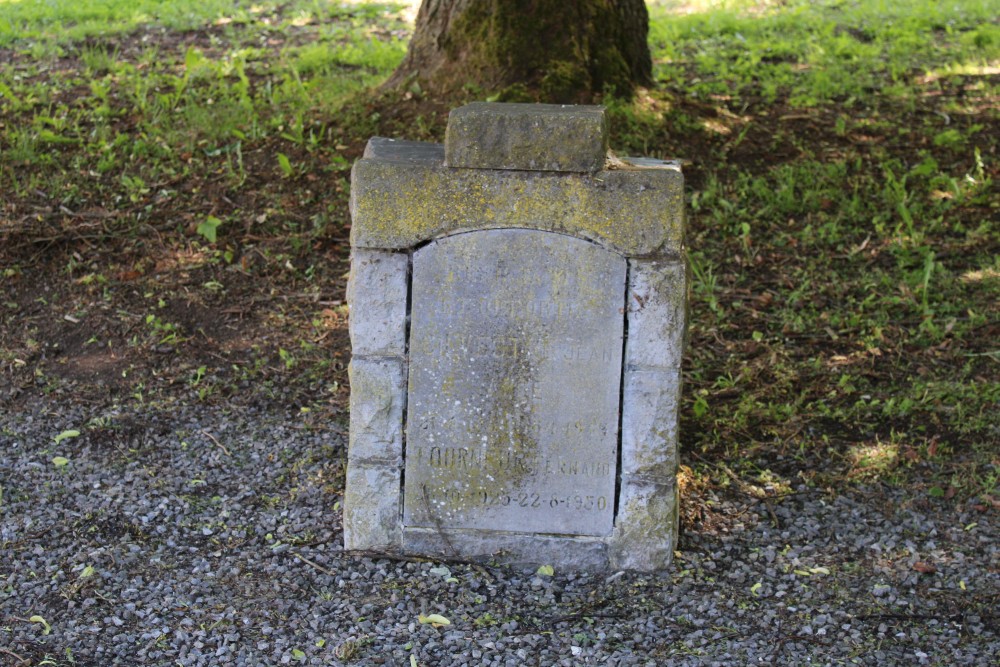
column 53, row 23
column 817, row 52
column 843, row 228
column 843, row 209
column 186, row 77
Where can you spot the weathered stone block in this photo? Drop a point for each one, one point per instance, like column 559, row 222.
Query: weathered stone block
column 645, row 533
column 406, row 196
column 515, row 369
column 402, row 151
column 657, row 314
column 522, row 263
column 378, row 397
column 371, row 507
column 538, row 137
column 376, row 294
column 650, row 411
column 563, row 552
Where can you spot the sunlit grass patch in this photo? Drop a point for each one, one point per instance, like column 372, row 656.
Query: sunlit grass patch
column 981, row 275
column 207, row 94
column 379, row 56
column 63, row 21
column 816, row 52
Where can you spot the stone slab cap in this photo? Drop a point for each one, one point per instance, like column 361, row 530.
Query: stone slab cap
column 403, row 195
column 530, row 137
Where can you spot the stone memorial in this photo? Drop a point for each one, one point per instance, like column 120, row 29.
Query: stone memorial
column 517, row 318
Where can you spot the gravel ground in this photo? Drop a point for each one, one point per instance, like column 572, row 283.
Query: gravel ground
column 211, row 537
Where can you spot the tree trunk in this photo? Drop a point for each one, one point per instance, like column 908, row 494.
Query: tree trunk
column 549, row 50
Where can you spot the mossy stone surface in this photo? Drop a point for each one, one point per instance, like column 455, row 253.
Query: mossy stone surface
column 650, row 411
column 515, row 368
column 371, row 507
column 657, row 314
column 534, row 432
column 377, row 401
column 532, row 137
column 403, row 195
column 378, row 286
column 645, row 534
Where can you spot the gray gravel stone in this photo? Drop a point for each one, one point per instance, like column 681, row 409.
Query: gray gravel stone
column 212, row 537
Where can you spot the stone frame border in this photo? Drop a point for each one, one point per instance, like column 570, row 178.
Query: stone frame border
column 646, row 518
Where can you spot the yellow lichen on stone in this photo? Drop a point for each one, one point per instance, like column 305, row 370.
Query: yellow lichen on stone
column 399, row 205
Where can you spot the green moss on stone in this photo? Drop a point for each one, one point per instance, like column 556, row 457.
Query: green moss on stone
column 399, row 205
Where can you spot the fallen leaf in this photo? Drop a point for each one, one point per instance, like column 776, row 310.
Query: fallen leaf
column 932, row 449
column 46, row 628
column 437, row 620
column 924, row 568
column 546, row 571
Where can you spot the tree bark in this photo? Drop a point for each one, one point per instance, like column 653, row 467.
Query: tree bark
column 549, row 50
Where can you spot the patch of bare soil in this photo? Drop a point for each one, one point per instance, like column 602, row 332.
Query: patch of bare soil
column 224, row 330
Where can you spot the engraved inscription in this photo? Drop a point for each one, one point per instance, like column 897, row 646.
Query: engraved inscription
column 515, row 365
column 466, row 458
column 523, row 500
